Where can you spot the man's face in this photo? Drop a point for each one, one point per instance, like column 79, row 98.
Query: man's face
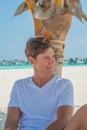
column 45, row 62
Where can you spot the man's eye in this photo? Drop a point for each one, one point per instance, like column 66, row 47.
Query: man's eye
column 46, row 58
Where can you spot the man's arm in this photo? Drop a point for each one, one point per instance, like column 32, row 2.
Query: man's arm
column 64, row 115
column 13, row 117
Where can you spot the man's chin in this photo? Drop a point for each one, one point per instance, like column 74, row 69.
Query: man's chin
column 51, row 71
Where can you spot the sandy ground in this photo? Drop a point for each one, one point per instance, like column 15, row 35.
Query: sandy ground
column 78, row 76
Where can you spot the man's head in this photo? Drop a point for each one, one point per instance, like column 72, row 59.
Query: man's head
column 36, row 46
column 41, row 55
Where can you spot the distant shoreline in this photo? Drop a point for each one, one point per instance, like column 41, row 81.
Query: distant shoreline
column 3, row 67
column 23, row 64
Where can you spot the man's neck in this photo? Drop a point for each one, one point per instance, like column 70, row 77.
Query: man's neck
column 41, row 80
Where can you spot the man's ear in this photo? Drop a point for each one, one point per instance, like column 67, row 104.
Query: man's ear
column 31, row 60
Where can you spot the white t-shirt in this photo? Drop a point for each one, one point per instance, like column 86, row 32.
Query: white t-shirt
column 39, row 105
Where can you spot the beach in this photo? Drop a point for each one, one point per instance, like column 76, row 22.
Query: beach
column 77, row 74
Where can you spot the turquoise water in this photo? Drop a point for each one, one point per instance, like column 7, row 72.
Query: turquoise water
column 74, row 65
column 30, row 66
column 16, row 67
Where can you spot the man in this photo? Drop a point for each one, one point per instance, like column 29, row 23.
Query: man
column 42, row 101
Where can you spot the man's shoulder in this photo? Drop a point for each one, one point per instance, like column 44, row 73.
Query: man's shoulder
column 62, row 79
column 23, row 80
column 63, row 82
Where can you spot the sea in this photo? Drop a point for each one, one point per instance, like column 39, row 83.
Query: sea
column 2, row 67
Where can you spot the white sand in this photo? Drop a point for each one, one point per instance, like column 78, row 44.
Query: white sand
column 78, row 75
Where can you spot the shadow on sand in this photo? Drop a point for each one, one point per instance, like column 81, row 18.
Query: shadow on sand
column 2, row 120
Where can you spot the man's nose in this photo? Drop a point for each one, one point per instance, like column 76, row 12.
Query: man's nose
column 52, row 60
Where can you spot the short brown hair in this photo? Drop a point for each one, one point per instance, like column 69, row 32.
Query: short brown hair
column 36, row 46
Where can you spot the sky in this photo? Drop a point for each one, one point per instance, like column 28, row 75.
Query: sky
column 15, row 31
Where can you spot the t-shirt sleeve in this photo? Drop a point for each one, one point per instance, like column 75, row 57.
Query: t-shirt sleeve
column 66, row 94
column 14, row 102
